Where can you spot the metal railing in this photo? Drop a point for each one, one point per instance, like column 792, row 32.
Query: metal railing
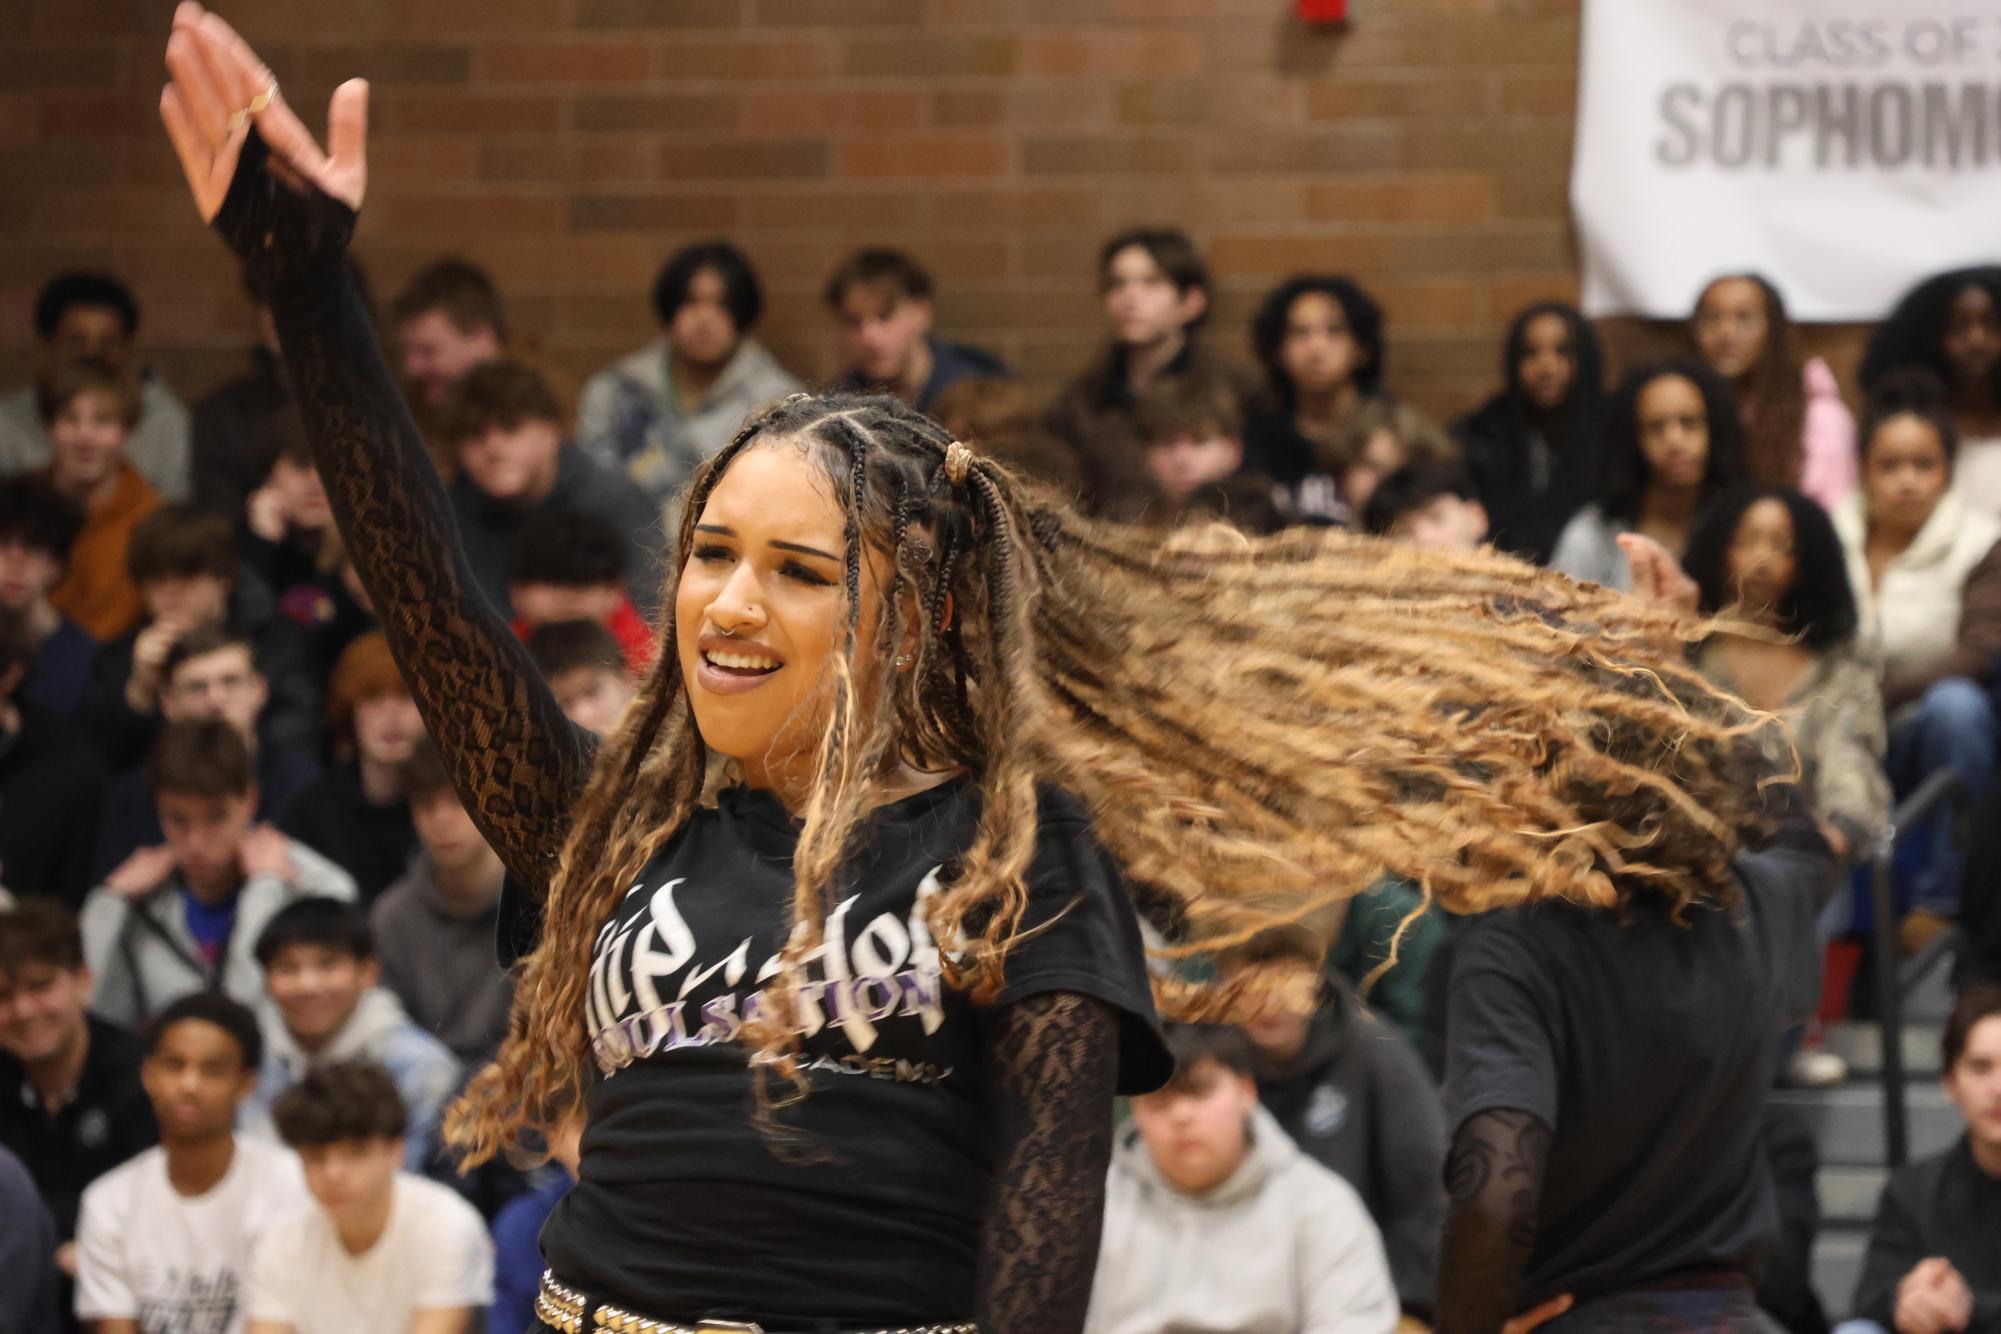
column 1894, row 978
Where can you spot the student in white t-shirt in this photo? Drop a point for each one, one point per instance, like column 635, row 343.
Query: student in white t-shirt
column 381, row 1250
column 161, row 1240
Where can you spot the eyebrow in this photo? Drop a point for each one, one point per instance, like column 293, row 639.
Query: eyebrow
column 724, row 531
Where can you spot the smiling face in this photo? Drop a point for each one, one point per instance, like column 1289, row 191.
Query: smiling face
column 88, row 436
column 759, row 609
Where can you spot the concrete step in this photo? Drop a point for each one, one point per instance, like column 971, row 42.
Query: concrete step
column 1930, row 1001
column 1847, row 1122
column 1861, row 1045
column 1848, row 1194
column 1837, row 1264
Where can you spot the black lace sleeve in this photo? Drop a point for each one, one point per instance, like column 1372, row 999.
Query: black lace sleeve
column 1052, row 1064
column 1494, row 1177
column 517, row 762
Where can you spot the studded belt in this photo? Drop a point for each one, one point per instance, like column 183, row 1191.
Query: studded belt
column 564, row 1308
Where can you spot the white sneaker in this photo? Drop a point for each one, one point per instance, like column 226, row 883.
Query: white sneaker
column 1813, row 1069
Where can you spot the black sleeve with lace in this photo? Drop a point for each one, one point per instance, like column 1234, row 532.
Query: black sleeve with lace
column 1493, row 1175
column 516, row 761
column 1052, row 1064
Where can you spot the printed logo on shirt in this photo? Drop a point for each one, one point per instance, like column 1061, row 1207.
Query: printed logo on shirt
column 190, row 1302
column 1326, row 1110
column 651, row 994
column 93, row 1128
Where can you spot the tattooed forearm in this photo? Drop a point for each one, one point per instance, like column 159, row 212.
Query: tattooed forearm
column 1494, row 1178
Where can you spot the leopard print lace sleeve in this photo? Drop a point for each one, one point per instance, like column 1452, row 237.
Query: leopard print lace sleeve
column 516, row 761
column 1053, row 1066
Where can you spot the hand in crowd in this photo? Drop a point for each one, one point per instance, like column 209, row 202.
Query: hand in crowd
column 149, row 661
column 215, row 76
column 267, row 511
column 266, row 852
column 142, row 872
column 1657, row 575
column 1537, row 1316
column 1933, row 1299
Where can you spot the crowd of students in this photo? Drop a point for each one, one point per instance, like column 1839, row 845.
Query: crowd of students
column 245, row 912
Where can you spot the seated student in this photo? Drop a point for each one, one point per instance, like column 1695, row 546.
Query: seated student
column 564, row 565
column 1320, row 341
column 996, row 418
column 447, row 320
column 285, row 522
column 1431, row 505
column 517, row 1232
column 506, row 428
column 356, row 813
column 1215, row 1220
column 1933, row 1264
column 29, row 1300
column 1191, row 434
column 882, row 299
column 658, row 413
column 434, row 929
column 51, row 784
column 238, row 428
column 321, row 972
column 1950, row 324
column 1925, row 567
column 1673, row 443
column 71, row 1103
column 185, row 565
column 210, row 672
column 1155, row 290
column 185, row 916
column 1352, row 1094
column 585, row 670
column 332, row 612
column 92, row 315
column 1378, row 437
column 38, row 525
column 1532, row 449
column 89, row 409
column 163, row 1241
column 379, row 1249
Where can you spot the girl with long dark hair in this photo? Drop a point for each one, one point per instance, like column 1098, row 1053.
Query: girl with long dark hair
column 1532, row 449
column 1319, row 341
column 829, row 937
column 1950, row 325
column 1797, row 431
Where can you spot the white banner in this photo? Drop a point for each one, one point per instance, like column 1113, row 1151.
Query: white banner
column 1843, row 148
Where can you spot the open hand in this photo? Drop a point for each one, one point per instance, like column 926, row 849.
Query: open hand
column 141, row 873
column 220, row 88
column 1657, row 575
column 266, row 852
column 1933, row 1299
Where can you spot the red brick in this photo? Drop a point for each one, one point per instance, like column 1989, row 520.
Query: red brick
column 1538, row 94
column 1273, row 256
column 1398, row 95
column 636, row 213
column 1532, row 247
column 1336, row 148
column 1466, row 197
column 838, row 13
column 931, row 55
column 1102, row 155
column 553, row 159
column 787, row 111
column 563, row 62
column 1436, row 303
column 675, row 113
column 395, row 66
column 1511, row 294
column 458, row 18
column 98, row 117
column 768, row 159
column 1114, row 52
column 925, row 155
column 1506, row 144
column 408, row 214
column 651, row 14
column 832, row 208
column 1206, row 102
column 467, row 113
column 745, row 58
column 431, row 159
column 964, row 108
column 18, row 120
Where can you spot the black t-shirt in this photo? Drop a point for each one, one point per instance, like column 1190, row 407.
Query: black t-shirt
column 870, row 1211
column 1647, row 1049
column 109, row 1120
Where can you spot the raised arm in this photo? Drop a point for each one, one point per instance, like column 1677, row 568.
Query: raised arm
column 288, row 212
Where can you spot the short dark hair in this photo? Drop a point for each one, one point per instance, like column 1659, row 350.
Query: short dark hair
column 1169, row 247
column 1625, row 464
column 1410, row 488
column 423, row 773
column 1192, row 1044
column 1980, row 1001
column 344, row 1100
column 1910, row 392
column 459, row 290
column 1363, row 316
column 878, row 266
column 320, row 921
column 18, row 645
column 37, row 930
column 742, row 296
column 84, row 289
column 1820, row 606
column 496, row 395
column 201, row 757
column 1246, row 501
column 182, row 542
column 1178, row 407
column 67, row 383
column 567, row 548
column 566, row 646
column 204, row 640
column 39, row 517
column 211, row 1007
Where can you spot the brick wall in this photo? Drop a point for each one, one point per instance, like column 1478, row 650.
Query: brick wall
column 569, row 145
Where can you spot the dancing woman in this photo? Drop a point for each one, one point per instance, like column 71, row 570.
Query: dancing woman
column 829, row 938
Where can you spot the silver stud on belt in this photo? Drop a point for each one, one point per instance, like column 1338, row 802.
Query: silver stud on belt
column 564, row 1308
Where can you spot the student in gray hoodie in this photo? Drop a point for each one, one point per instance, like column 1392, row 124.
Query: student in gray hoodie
column 657, row 413
column 185, row 915
column 1214, row 1220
